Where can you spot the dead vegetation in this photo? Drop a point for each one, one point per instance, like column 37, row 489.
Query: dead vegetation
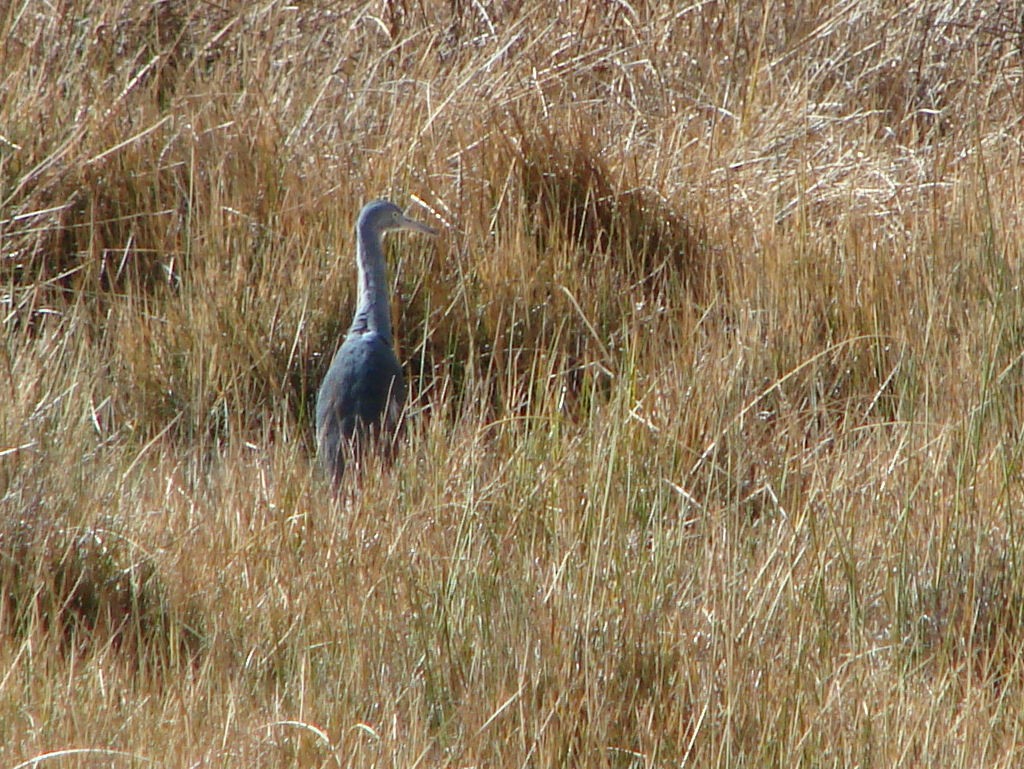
column 714, row 453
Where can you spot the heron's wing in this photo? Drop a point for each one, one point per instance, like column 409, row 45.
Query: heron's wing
column 363, row 391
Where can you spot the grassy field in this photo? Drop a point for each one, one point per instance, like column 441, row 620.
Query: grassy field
column 715, row 439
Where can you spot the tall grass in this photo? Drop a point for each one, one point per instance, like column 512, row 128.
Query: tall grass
column 714, row 449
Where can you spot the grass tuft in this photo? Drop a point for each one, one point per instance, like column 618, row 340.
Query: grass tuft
column 82, row 589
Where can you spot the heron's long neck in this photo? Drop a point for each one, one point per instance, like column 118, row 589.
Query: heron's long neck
column 373, row 312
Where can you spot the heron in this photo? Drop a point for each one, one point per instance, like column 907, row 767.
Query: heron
column 361, row 398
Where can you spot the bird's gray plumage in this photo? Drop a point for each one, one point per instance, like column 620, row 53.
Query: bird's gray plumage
column 362, row 395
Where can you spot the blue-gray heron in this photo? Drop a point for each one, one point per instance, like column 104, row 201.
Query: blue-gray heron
column 362, row 396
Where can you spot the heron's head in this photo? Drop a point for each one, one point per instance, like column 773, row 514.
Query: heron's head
column 383, row 215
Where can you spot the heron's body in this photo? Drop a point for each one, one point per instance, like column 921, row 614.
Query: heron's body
column 362, row 396
column 361, row 399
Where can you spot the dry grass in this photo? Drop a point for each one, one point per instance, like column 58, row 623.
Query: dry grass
column 715, row 456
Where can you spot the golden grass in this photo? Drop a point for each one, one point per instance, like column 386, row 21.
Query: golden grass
column 714, row 454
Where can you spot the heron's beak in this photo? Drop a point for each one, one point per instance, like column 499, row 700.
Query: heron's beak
column 412, row 224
